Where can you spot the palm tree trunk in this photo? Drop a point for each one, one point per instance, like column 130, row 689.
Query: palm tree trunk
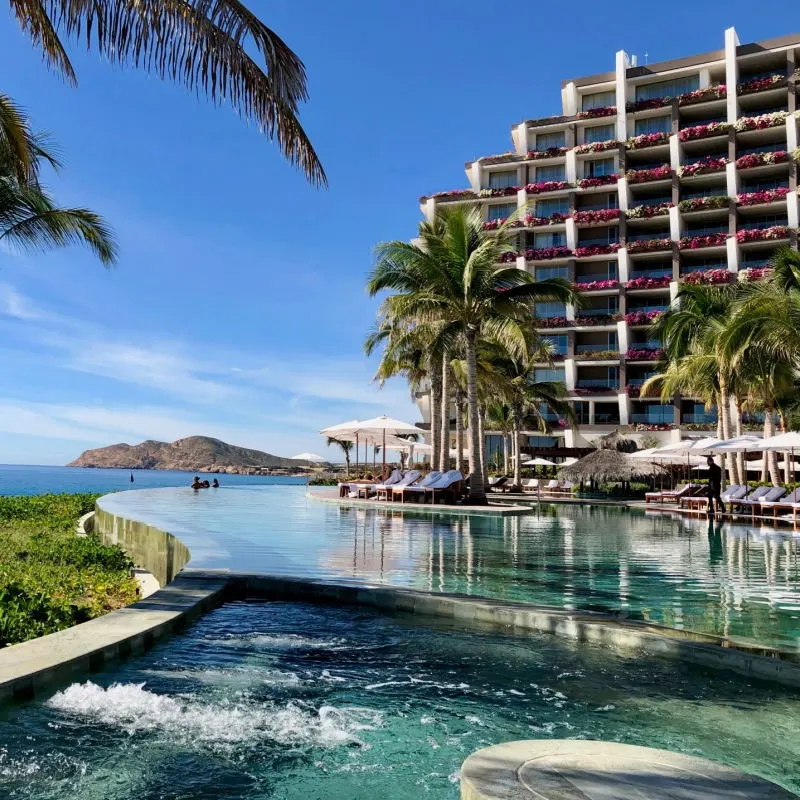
column 444, row 446
column 436, row 409
column 505, row 454
column 724, row 410
column 787, row 463
column 482, row 442
column 459, row 430
column 771, row 458
column 477, row 488
column 738, row 429
column 517, row 449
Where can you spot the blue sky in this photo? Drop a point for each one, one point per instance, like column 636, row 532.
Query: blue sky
column 237, row 309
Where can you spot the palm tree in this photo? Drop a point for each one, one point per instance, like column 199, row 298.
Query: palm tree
column 29, row 217
column 346, row 447
column 454, row 279
column 215, row 47
column 500, row 418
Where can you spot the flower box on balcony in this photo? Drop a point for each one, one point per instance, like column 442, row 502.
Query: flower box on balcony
column 494, row 224
column 654, row 426
column 760, row 84
column 546, row 186
column 595, row 286
column 646, row 175
column 648, row 283
column 536, row 222
column 633, row 391
column 506, row 191
column 647, row 105
column 761, row 159
column 546, row 253
column 593, row 320
column 596, row 147
column 761, row 198
column 702, row 95
column 703, row 203
column 636, row 354
column 597, row 355
column 593, row 113
column 507, row 257
column 552, row 322
column 708, row 164
column 586, row 390
column 703, row 131
column 647, row 140
column 596, row 216
column 646, row 212
column 642, row 317
column 596, row 250
column 600, row 180
column 500, row 158
column 762, row 234
column 550, row 152
column 708, row 276
column 698, row 242
column 761, row 122
column 755, row 273
column 649, row 245
column 455, row 194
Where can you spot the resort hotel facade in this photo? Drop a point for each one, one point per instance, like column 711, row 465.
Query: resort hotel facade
column 651, row 176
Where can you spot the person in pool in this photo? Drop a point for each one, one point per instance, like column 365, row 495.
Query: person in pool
column 215, row 484
column 196, row 483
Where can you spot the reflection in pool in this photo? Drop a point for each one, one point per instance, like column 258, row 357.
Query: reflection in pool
column 731, row 580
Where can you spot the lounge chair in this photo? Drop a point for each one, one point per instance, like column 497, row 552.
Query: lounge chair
column 772, row 494
column 498, row 484
column 733, row 492
column 748, row 499
column 669, row 496
column 551, row 488
column 385, row 489
column 791, row 503
column 564, row 488
column 416, row 490
column 365, row 490
column 449, row 485
column 530, row 485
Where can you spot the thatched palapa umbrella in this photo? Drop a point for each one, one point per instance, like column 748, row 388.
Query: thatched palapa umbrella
column 607, row 466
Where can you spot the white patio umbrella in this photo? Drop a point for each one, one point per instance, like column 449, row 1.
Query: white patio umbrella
column 308, row 457
column 789, row 441
column 740, row 444
column 384, row 426
column 345, row 431
column 538, row 462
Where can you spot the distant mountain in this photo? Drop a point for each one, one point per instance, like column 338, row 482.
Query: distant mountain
column 194, row 454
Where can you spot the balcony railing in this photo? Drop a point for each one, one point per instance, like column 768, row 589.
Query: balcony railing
column 639, row 381
column 646, row 344
column 606, row 418
column 648, row 309
column 598, row 312
column 606, row 347
column 665, row 417
column 665, row 272
column 759, row 225
column 647, row 236
column 594, row 276
column 699, row 419
column 597, row 383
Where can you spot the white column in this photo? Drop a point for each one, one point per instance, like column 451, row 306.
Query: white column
column 572, row 233
column 570, row 311
column 705, row 78
column 791, row 210
column 623, row 265
column 622, row 336
column 674, row 288
column 569, row 99
column 569, row 374
column 429, row 209
column 733, row 254
column 571, row 166
column 732, row 178
column 591, row 412
column 674, row 224
column 519, row 135
column 474, row 175
column 731, row 73
column 791, row 132
column 674, row 152
column 522, row 201
column 622, row 62
column 624, row 409
column 622, row 194
column 522, row 263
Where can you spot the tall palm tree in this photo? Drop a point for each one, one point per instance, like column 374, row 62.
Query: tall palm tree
column 215, row 47
column 454, row 278
column 346, row 447
column 500, row 418
column 29, row 217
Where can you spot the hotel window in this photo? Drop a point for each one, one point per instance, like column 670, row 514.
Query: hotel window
column 503, row 180
column 599, row 133
column 544, row 141
column 548, row 374
column 543, row 240
column 546, row 208
column 556, row 172
column 546, row 273
column 500, row 211
column 545, row 310
column 673, row 88
column 558, row 344
column 598, row 100
column 653, row 125
column 600, row 167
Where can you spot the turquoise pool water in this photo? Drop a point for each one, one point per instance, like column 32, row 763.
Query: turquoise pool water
column 293, row 702
column 730, row 580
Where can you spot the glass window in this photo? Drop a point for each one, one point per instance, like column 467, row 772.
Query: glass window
column 542, row 442
column 598, row 100
column 557, row 239
column 553, row 309
column 558, row 343
column 546, row 208
column 653, row 125
column 501, row 210
column 599, row 133
column 557, row 172
column 548, row 374
column 502, row 180
column 545, row 273
column 599, row 167
column 544, row 141
column 672, row 88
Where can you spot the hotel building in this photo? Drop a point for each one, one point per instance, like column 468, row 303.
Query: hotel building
column 651, row 175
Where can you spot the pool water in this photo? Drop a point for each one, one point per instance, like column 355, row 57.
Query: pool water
column 289, row 701
column 731, row 580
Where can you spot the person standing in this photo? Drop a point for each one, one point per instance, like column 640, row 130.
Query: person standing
column 714, row 487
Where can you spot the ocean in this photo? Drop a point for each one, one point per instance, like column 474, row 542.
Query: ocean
column 25, row 479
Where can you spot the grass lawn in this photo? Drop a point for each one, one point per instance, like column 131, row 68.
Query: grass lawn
column 50, row 578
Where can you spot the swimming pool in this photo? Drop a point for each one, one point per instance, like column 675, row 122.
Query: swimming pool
column 729, row 580
column 292, row 701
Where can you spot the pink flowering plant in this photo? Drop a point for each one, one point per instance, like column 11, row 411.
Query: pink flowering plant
column 707, row 164
column 703, row 131
column 704, row 203
column 646, row 212
column 647, row 105
column 455, row 194
column 755, row 273
column 759, row 84
column 593, row 113
column 761, row 122
column 594, row 286
column 552, row 322
column 508, row 257
column 697, row 242
column 596, row 250
column 702, row 95
column 765, row 196
column 597, row 355
column 590, row 321
column 505, row 191
column 600, row 180
column 645, row 175
column 637, row 354
column 642, row 317
column 554, row 219
column 633, row 391
column 649, row 245
column 546, row 253
column 494, row 224
column 546, row 186
column 649, row 283
column 762, row 234
column 550, row 152
column 500, row 158
column 761, row 159
column 646, row 140
column 653, row 426
column 596, row 147
column 707, row 276
column 595, row 216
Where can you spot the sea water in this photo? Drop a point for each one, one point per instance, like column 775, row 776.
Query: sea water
column 290, row 701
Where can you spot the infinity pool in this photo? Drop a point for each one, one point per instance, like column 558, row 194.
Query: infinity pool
column 730, row 580
column 294, row 702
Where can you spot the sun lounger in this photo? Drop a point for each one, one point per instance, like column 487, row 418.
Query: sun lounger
column 733, row 492
column 498, row 484
column 366, row 490
column 564, row 488
column 385, row 489
column 791, row 502
column 530, row 485
column 416, row 490
column 552, row 487
column 669, row 496
column 448, row 486
column 770, row 495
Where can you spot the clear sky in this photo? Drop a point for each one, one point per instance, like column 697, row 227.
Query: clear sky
column 238, row 309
